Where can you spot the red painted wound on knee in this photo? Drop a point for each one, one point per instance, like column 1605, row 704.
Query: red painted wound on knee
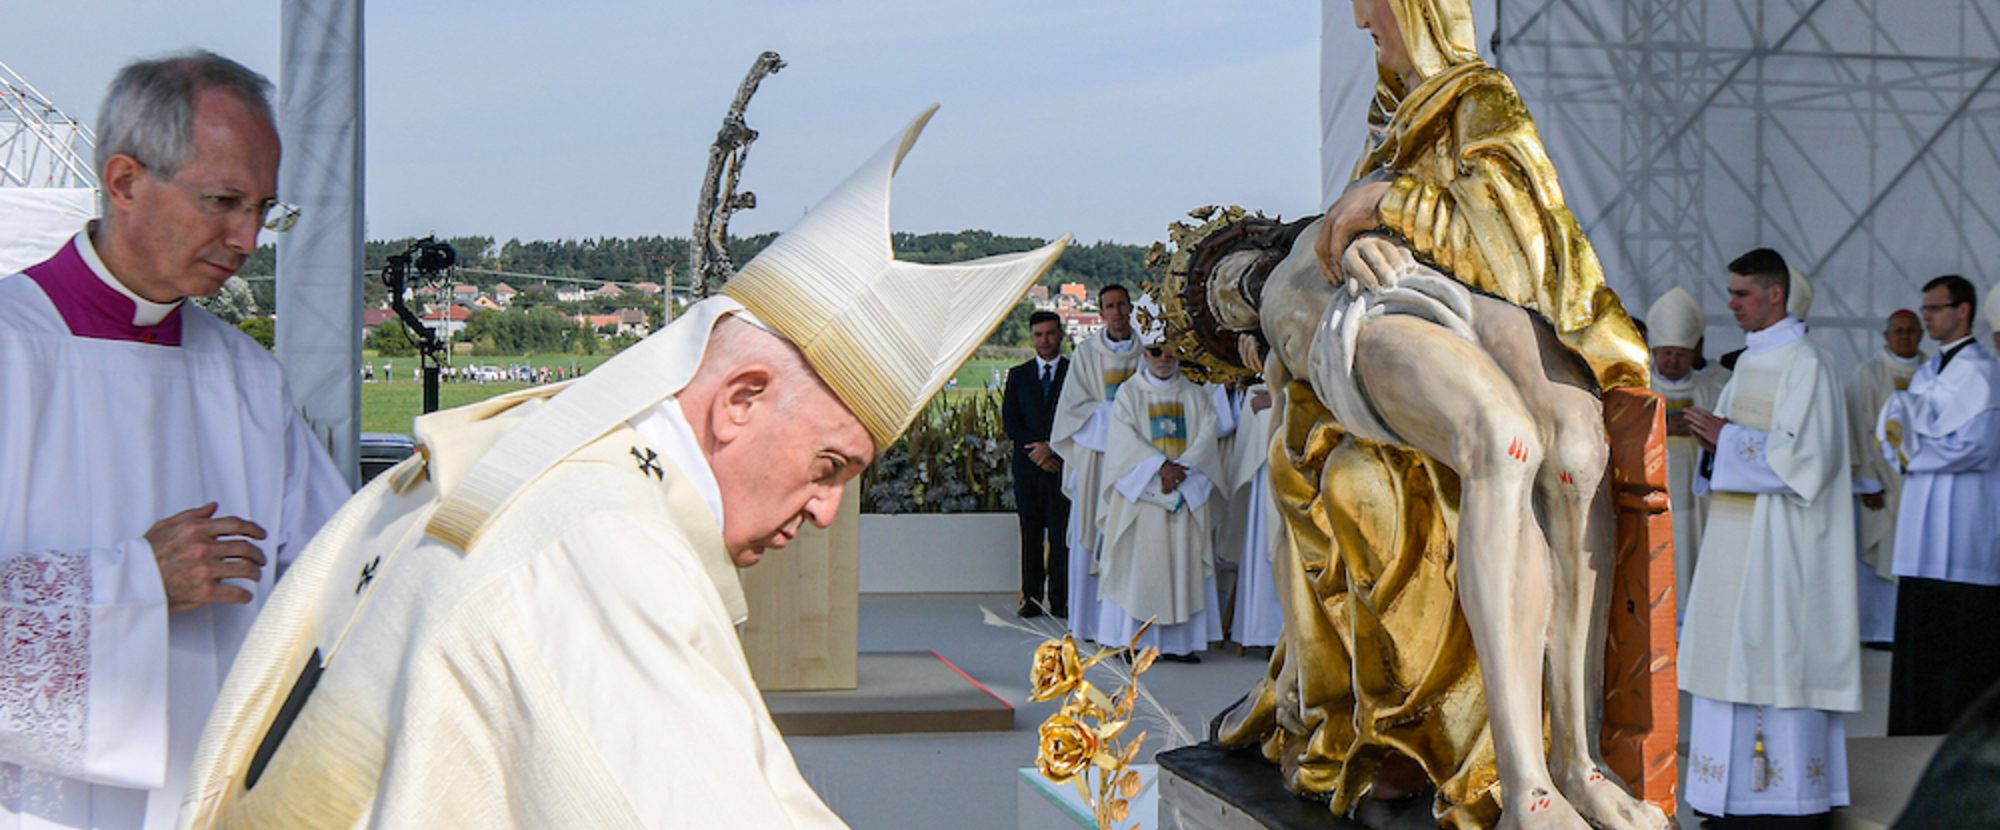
column 1596, row 776
column 1517, row 450
column 1567, row 478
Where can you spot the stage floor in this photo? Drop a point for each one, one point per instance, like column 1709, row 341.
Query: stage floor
column 897, row 780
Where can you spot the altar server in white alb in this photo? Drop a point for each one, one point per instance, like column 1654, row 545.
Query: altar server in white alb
column 1770, row 649
column 1948, row 532
column 158, row 478
column 1252, row 526
column 1878, row 479
column 1102, row 363
column 532, row 623
column 1675, row 330
column 1161, row 465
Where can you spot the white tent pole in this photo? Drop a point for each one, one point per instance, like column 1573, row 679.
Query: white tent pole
column 321, row 120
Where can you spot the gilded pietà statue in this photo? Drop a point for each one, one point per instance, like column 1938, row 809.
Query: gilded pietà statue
column 1442, row 340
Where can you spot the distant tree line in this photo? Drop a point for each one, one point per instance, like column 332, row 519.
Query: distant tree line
column 650, row 258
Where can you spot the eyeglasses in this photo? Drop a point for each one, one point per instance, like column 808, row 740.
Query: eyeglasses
column 271, row 214
column 1156, row 351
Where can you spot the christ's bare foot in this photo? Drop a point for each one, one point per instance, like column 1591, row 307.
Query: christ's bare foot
column 1539, row 808
column 1605, row 803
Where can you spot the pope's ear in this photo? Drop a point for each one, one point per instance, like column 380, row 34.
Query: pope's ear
column 744, row 392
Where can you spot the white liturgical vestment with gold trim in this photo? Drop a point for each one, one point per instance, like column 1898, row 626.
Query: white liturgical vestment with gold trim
column 575, row 664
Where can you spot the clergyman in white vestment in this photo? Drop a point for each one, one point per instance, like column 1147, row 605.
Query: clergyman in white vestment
column 1878, row 480
column 1948, row 532
column 1770, row 649
column 1161, row 463
column 532, row 623
column 1102, row 363
column 1675, row 330
column 152, row 452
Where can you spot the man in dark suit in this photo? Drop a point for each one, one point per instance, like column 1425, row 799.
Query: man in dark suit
column 1027, row 410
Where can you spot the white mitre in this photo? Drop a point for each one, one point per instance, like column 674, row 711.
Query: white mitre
column 885, row 335
column 1799, row 297
column 1675, row 320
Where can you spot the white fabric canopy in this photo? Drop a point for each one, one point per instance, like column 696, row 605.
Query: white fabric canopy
column 36, row 221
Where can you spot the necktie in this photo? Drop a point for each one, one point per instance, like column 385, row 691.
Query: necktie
column 1048, row 378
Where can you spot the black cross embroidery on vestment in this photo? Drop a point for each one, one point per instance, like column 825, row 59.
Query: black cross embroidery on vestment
column 649, row 462
column 367, row 574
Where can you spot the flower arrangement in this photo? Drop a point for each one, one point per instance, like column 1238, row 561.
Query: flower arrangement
column 1084, row 741
column 954, row 459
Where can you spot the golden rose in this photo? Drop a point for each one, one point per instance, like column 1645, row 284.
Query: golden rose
column 1056, row 670
column 1067, row 747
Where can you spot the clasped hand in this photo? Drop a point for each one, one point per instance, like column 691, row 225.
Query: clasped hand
column 1171, row 476
column 1705, row 426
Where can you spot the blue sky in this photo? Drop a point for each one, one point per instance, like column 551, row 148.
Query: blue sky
column 593, row 118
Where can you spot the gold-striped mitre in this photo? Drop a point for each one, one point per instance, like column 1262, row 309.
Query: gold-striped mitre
column 884, row 335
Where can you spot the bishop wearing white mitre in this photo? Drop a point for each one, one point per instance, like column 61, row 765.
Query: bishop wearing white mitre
column 533, row 622
column 1675, row 327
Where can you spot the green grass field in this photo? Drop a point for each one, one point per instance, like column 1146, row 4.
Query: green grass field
column 390, row 406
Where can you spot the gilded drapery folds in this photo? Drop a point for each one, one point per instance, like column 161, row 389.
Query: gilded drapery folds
column 1377, row 657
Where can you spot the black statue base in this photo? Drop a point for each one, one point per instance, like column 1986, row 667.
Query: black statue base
column 1206, row 787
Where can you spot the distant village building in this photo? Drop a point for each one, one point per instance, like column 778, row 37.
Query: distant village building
column 503, row 294
column 609, row 290
column 1076, row 289
column 651, row 289
column 632, row 321
column 464, row 293
column 372, row 317
column 449, row 321
column 1067, row 302
column 488, row 303
column 1078, row 325
column 572, row 293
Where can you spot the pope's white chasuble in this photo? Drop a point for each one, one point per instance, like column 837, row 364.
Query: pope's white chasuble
column 562, row 654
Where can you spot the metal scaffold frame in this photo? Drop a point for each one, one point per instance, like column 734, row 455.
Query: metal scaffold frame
column 40, row 146
column 1860, row 138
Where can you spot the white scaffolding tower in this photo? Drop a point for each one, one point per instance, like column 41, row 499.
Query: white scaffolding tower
column 47, row 187
column 1860, row 138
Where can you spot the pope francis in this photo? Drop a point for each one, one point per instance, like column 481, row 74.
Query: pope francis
column 532, row 622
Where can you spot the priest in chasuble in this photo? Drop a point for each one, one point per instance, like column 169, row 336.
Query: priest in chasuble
column 1102, row 363
column 159, row 479
column 1770, row 651
column 532, row 623
column 1439, row 341
column 1162, row 465
column 1878, row 480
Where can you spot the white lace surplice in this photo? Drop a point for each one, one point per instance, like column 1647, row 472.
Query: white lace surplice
column 101, row 439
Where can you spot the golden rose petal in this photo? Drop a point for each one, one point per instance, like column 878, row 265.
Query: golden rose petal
column 1129, row 784
column 1119, row 810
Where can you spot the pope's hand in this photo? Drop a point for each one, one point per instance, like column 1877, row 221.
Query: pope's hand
column 1355, row 211
column 194, row 557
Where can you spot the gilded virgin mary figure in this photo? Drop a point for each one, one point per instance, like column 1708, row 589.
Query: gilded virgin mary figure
column 1441, row 338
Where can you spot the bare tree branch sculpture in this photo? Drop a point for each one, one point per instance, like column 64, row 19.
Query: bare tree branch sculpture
column 708, row 255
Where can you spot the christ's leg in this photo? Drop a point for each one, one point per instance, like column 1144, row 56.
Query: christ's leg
column 1446, row 397
column 1578, row 523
